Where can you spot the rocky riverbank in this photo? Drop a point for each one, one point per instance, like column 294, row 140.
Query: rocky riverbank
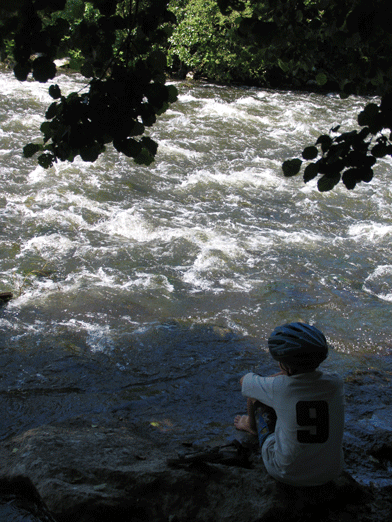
column 117, row 470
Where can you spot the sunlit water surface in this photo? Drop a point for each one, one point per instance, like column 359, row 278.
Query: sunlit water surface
column 152, row 289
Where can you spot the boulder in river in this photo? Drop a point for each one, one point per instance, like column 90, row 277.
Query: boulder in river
column 5, row 297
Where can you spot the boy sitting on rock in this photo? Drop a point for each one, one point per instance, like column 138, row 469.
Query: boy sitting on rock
column 299, row 411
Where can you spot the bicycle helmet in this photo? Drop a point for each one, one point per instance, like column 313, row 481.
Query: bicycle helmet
column 298, row 345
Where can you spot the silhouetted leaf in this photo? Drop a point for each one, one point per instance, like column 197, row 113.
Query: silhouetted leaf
column 350, row 178
column 325, row 141
column 55, row 92
column 137, row 129
column 30, row 149
column 172, row 93
column 310, row 153
column 380, row 150
column 129, row 147
column 52, row 111
column 21, row 71
column 157, row 94
column 147, row 114
column 46, row 129
column 46, row 160
column 368, row 115
column 150, row 145
column 310, row 172
column 326, row 183
column 122, row 53
column 355, row 159
column 90, row 153
column 291, row 167
column 87, row 70
column 364, row 133
column 144, row 157
column 321, row 79
column 366, row 175
column 43, row 69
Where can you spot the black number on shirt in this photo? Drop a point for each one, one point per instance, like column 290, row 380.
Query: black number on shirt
column 313, row 416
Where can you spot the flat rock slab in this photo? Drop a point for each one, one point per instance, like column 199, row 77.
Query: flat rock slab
column 86, row 473
column 100, row 469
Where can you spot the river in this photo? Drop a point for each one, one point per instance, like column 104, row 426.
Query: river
column 151, row 290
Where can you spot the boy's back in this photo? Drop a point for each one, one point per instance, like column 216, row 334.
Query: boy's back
column 306, row 448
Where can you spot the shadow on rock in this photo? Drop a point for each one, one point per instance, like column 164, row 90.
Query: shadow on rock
column 87, row 474
column 21, row 502
column 340, row 500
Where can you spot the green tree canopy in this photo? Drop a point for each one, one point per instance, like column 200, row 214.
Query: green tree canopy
column 208, row 43
column 343, row 45
column 122, row 45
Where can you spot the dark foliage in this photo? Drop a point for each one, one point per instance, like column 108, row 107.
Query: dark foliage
column 347, row 46
column 126, row 89
column 342, row 46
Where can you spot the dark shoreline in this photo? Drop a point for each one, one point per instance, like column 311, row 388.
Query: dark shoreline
column 113, row 464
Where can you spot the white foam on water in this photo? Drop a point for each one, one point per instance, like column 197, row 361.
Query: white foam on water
column 210, row 269
column 38, row 175
column 249, row 177
column 233, row 111
column 149, row 282
column 213, row 215
column 50, row 246
column 262, row 94
column 167, row 147
column 186, row 98
column 379, row 283
column 182, row 122
column 10, row 86
column 114, row 280
column 249, row 101
column 31, row 289
column 132, row 224
column 6, row 324
column 98, row 336
column 304, row 238
column 371, row 232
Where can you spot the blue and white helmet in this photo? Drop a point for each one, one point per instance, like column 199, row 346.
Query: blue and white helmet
column 299, row 345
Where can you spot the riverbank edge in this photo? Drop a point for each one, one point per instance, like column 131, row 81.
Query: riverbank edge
column 115, row 468
column 189, row 75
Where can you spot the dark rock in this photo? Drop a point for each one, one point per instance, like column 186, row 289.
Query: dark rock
column 21, row 502
column 87, row 474
column 87, row 471
column 5, row 297
column 382, row 449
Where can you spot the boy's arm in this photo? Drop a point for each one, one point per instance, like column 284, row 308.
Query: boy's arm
column 282, row 372
column 259, row 388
